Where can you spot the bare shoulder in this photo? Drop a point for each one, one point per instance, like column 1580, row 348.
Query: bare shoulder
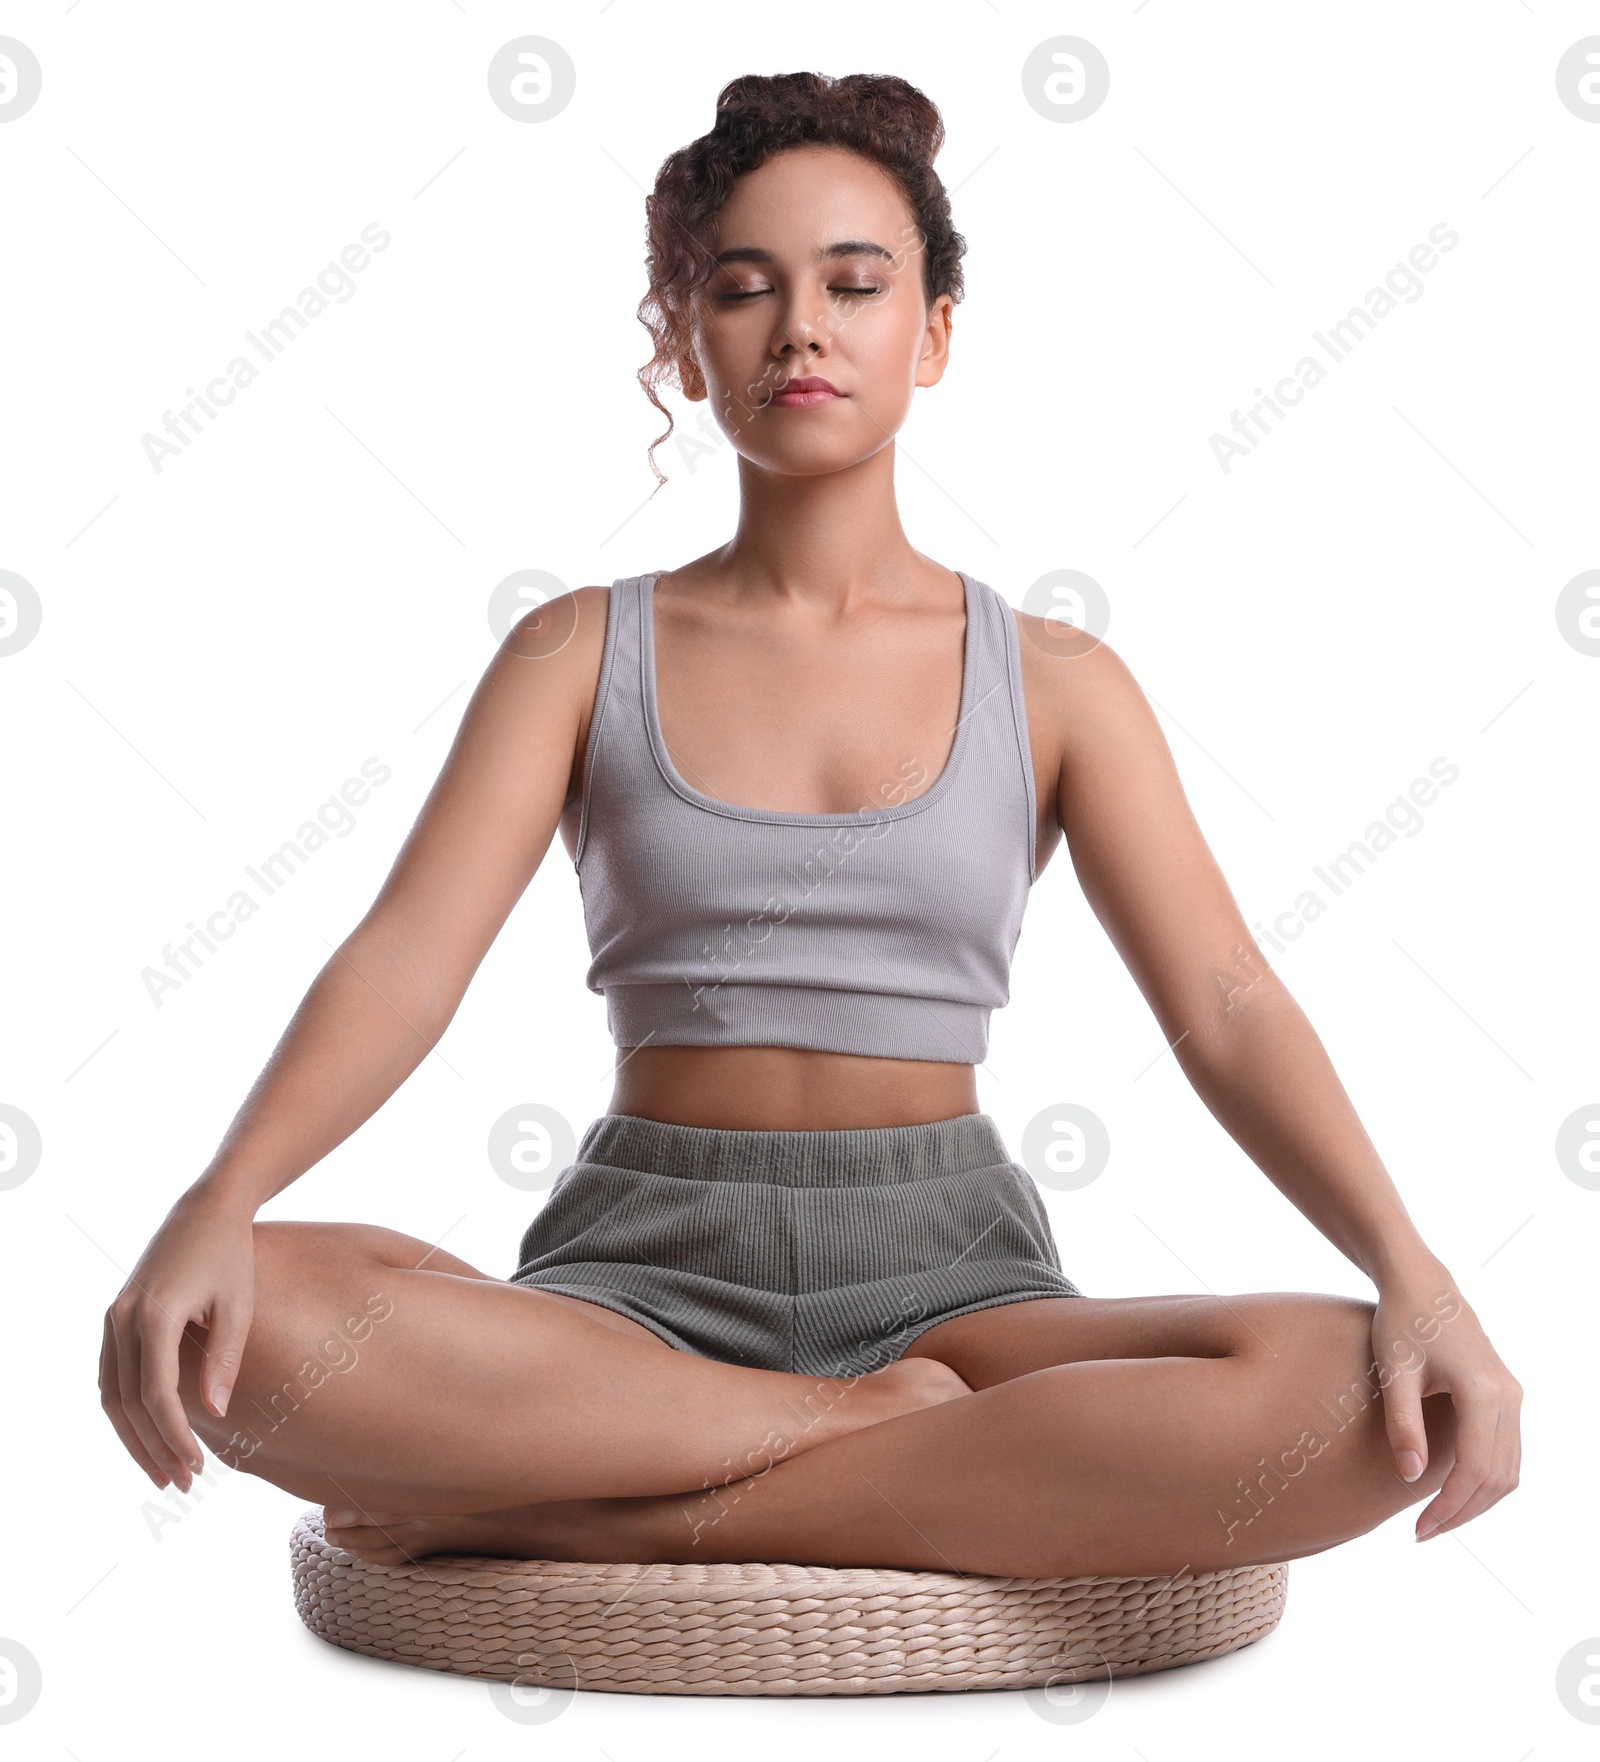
column 1079, row 691
column 547, row 671
column 499, row 797
column 555, row 648
column 1135, row 845
column 570, row 621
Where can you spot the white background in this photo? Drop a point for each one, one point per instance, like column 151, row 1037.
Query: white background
column 225, row 641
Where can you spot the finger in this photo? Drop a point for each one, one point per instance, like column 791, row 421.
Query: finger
column 129, row 1355
column 111, row 1404
column 1402, row 1419
column 1476, row 1422
column 1493, row 1488
column 158, row 1389
column 1501, row 1477
column 219, row 1367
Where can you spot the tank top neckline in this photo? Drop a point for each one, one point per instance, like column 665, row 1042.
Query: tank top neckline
column 782, row 816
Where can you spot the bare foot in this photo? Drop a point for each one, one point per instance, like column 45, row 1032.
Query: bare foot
column 571, row 1529
column 901, row 1387
column 629, row 1529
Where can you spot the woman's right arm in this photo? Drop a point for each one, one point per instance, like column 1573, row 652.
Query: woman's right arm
column 375, row 1010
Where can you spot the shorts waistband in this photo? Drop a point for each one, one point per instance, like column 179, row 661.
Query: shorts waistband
column 862, row 1156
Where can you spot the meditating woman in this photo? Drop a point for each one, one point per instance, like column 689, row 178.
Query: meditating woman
column 793, row 1300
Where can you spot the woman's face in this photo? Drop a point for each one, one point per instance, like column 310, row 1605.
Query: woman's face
column 819, row 277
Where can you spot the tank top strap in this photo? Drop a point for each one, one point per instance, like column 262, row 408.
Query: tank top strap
column 1004, row 754
column 617, row 723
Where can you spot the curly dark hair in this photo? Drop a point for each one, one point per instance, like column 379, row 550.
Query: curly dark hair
column 880, row 116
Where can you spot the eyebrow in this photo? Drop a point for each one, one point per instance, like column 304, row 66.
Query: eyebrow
column 844, row 248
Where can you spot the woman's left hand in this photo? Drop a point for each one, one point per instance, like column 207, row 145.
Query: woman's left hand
column 1427, row 1341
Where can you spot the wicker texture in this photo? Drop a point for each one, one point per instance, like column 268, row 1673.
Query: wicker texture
column 756, row 1629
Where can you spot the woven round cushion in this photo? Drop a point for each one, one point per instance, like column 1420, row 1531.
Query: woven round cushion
column 755, row 1629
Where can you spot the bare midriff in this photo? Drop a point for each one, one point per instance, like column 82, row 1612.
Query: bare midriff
column 787, row 1089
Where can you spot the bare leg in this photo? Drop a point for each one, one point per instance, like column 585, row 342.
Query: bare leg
column 1211, row 1433
column 378, row 1368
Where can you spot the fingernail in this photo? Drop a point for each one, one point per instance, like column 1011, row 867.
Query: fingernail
column 1410, row 1465
column 1424, row 1530
column 220, row 1397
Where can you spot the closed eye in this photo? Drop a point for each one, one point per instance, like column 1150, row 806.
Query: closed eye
column 756, row 293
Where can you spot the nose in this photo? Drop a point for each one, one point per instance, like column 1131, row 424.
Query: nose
column 802, row 324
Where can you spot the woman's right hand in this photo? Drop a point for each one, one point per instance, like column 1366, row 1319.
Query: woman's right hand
column 199, row 1267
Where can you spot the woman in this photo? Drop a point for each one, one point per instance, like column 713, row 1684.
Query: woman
column 793, row 1301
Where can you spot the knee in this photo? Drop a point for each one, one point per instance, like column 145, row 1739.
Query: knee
column 1353, row 1389
column 286, row 1247
column 318, row 1292
column 316, row 1284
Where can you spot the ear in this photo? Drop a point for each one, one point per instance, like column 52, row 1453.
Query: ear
column 935, row 356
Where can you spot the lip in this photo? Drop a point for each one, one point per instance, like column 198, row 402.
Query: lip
column 801, row 394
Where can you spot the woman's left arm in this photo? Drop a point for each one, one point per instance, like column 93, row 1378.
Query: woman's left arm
column 1267, row 1078
column 1254, row 1059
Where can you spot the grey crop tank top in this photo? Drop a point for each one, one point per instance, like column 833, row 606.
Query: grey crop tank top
column 887, row 932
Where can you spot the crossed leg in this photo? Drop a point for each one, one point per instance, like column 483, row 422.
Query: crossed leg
column 379, row 1370
column 1100, row 1435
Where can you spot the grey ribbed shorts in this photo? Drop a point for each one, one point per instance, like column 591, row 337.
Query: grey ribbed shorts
column 822, row 1252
